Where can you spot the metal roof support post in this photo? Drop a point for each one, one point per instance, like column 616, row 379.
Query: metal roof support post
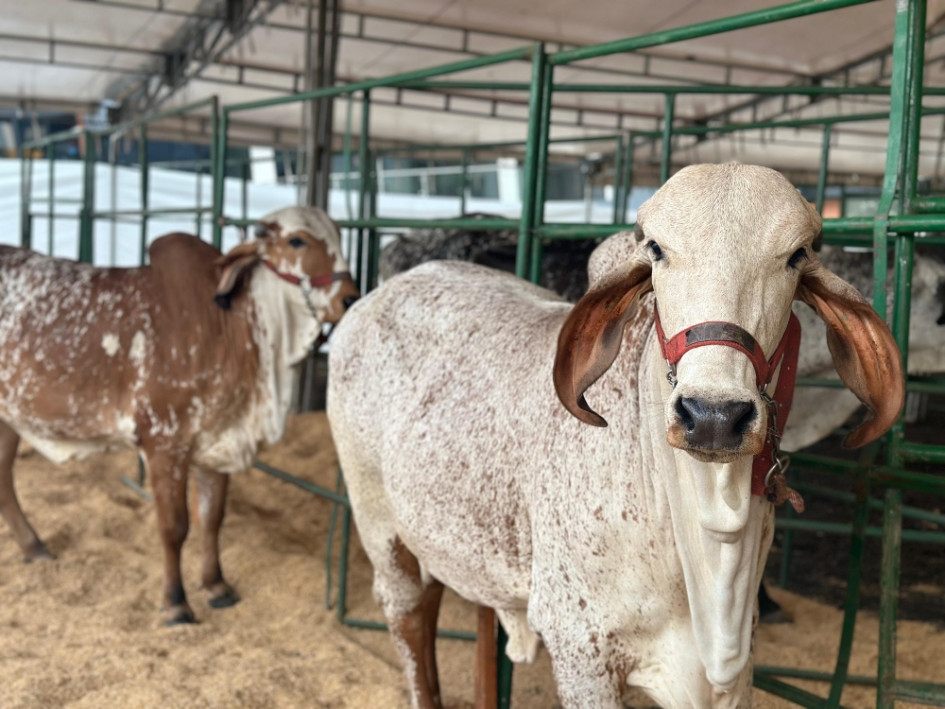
column 537, row 131
column 463, row 180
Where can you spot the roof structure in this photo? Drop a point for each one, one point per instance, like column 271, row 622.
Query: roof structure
column 148, row 54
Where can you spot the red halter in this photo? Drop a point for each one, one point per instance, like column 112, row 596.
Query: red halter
column 316, row 282
column 767, row 470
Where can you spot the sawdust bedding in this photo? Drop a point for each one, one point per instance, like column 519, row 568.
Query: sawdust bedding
column 84, row 631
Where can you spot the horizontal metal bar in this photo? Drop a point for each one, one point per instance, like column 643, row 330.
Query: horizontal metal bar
column 733, row 89
column 703, row 29
column 922, row 692
column 929, row 204
column 466, row 223
column 150, row 212
column 492, row 146
column 912, row 384
column 521, row 53
column 908, row 511
column 922, row 452
column 304, row 484
column 70, row 134
column 884, row 474
column 813, row 525
column 797, row 673
column 375, row 625
column 59, row 200
column 793, row 694
column 55, row 215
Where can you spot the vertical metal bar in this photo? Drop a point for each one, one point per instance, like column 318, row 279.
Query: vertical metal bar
column 538, row 253
column 667, row 151
column 889, row 598
column 145, row 189
column 541, row 188
column 364, row 173
column 51, row 195
column 113, row 199
column 852, row 603
column 198, row 218
column 218, row 158
column 618, row 179
column 26, row 192
column 537, row 127
column 463, row 180
column 913, row 101
column 86, row 216
column 244, row 190
column 341, row 607
column 822, row 175
column 905, row 251
column 628, row 182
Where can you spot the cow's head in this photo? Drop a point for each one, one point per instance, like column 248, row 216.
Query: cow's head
column 302, row 246
column 727, row 243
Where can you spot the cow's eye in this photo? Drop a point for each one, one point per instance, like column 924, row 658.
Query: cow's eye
column 296, row 243
column 797, row 257
column 656, row 250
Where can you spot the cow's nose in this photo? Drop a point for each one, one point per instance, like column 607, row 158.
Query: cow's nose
column 350, row 300
column 715, row 425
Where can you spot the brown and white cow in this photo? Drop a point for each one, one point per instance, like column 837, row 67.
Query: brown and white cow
column 189, row 359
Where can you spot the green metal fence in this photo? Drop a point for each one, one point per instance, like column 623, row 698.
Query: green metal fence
column 87, row 216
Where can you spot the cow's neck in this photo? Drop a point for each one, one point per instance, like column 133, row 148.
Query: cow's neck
column 722, row 572
column 284, row 330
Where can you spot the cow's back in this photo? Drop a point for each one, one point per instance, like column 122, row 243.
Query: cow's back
column 87, row 354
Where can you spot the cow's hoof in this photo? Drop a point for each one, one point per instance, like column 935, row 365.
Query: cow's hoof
column 180, row 615
column 223, row 597
column 38, row 552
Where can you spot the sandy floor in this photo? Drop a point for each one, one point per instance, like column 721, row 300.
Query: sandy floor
column 84, row 631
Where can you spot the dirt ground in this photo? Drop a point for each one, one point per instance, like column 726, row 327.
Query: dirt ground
column 84, row 631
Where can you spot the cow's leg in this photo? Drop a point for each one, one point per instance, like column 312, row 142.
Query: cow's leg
column 411, row 610
column 32, row 546
column 586, row 672
column 167, row 466
column 211, row 504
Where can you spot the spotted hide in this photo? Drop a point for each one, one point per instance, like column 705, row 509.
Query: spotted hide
column 189, row 359
column 459, row 400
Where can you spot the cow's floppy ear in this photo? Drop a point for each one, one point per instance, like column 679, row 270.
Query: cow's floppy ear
column 864, row 351
column 590, row 338
column 233, row 264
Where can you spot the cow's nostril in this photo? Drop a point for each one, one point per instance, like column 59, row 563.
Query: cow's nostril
column 715, row 425
column 349, row 301
column 742, row 413
column 685, row 415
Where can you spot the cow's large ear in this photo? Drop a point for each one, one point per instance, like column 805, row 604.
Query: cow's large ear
column 864, row 352
column 233, row 264
column 590, row 338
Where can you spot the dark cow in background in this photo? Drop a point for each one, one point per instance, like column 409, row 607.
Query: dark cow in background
column 563, row 266
column 189, row 359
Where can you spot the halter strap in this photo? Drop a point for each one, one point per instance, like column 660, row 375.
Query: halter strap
column 785, row 355
column 316, row 282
